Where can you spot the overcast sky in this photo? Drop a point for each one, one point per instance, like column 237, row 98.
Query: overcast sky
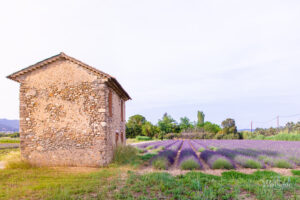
column 238, row 59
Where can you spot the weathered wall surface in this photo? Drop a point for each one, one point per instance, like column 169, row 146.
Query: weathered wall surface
column 63, row 119
column 116, row 125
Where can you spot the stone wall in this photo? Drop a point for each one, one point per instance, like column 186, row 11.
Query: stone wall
column 63, row 117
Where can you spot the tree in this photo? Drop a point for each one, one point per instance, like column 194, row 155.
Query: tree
column 167, row 125
column 229, row 130
column 185, row 124
column 134, row 126
column 211, row 128
column 148, row 129
column 200, row 116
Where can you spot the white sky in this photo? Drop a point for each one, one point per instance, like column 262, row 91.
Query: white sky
column 236, row 59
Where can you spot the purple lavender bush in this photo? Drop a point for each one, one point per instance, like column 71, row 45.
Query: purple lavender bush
column 188, row 158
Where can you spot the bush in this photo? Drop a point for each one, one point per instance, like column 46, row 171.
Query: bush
column 213, row 148
column 143, row 138
column 282, row 164
column 222, row 164
column 189, row 165
column 160, row 163
column 252, row 164
column 125, row 155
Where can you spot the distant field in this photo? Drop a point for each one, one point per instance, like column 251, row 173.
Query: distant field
column 222, row 154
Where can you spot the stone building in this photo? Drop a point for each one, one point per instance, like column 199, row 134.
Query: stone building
column 71, row 114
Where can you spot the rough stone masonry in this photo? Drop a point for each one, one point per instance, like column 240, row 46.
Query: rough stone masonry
column 71, row 114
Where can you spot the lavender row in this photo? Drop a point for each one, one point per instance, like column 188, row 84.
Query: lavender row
column 187, row 154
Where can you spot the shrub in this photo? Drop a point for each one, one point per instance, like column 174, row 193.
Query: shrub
column 189, row 164
column 222, row 164
column 160, row 163
column 282, row 164
column 143, row 138
column 213, row 148
column 252, row 164
column 125, row 155
column 201, row 149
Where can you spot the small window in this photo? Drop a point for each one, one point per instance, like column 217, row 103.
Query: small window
column 110, row 103
column 122, row 110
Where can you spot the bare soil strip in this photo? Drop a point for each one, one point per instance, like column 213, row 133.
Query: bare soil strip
column 176, row 159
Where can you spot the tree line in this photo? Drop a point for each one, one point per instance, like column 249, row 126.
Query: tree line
column 168, row 128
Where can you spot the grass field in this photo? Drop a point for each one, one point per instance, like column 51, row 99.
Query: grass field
column 6, row 140
column 124, row 180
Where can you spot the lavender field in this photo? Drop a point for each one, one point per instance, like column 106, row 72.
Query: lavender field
column 223, row 154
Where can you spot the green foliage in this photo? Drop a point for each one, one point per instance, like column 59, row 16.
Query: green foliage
column 5, row 140
column 213, row 148
column 147, row 156
column 222, row 164
column 283, row 136
column 149, row 147
column 159, row 149
column 201, row 149
column 252, row 164
column 282, row 164
column 167, row 125
column 125, row 155
column 189, row 164
column 185, row 124
column 160, row 163
column 148, row 129
column 200, row 117
column 211, row 128
column 296, row 172
column 143, row 138
column 134, row 126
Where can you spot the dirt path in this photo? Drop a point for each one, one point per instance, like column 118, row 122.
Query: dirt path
column 205, row 165
column 175, row 164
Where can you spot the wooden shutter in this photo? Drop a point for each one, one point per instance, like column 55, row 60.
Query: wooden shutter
column 110, row 103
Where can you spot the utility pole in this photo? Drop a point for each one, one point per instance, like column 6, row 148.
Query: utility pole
column 278, row 122
column 251, row 126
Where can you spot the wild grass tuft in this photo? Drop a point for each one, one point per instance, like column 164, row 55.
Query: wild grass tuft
column 13, row 160
column 222, row 164
column 296, row 172
column 160, row 163
column 201, row 149
column 282, row 164
column 252, row 164
column 125, row 155
column 189, row 164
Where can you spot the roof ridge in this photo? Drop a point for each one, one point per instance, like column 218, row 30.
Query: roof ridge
column 65, row 56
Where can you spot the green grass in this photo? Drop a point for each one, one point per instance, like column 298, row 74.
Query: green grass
column 160, row 163
column 296, row 172
column 252, row 164
column 5, row 140
column 149, row 147
column 189, row 165
column 222, row 164
column 196, row 185
column 282, row 164
column 5, row 152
